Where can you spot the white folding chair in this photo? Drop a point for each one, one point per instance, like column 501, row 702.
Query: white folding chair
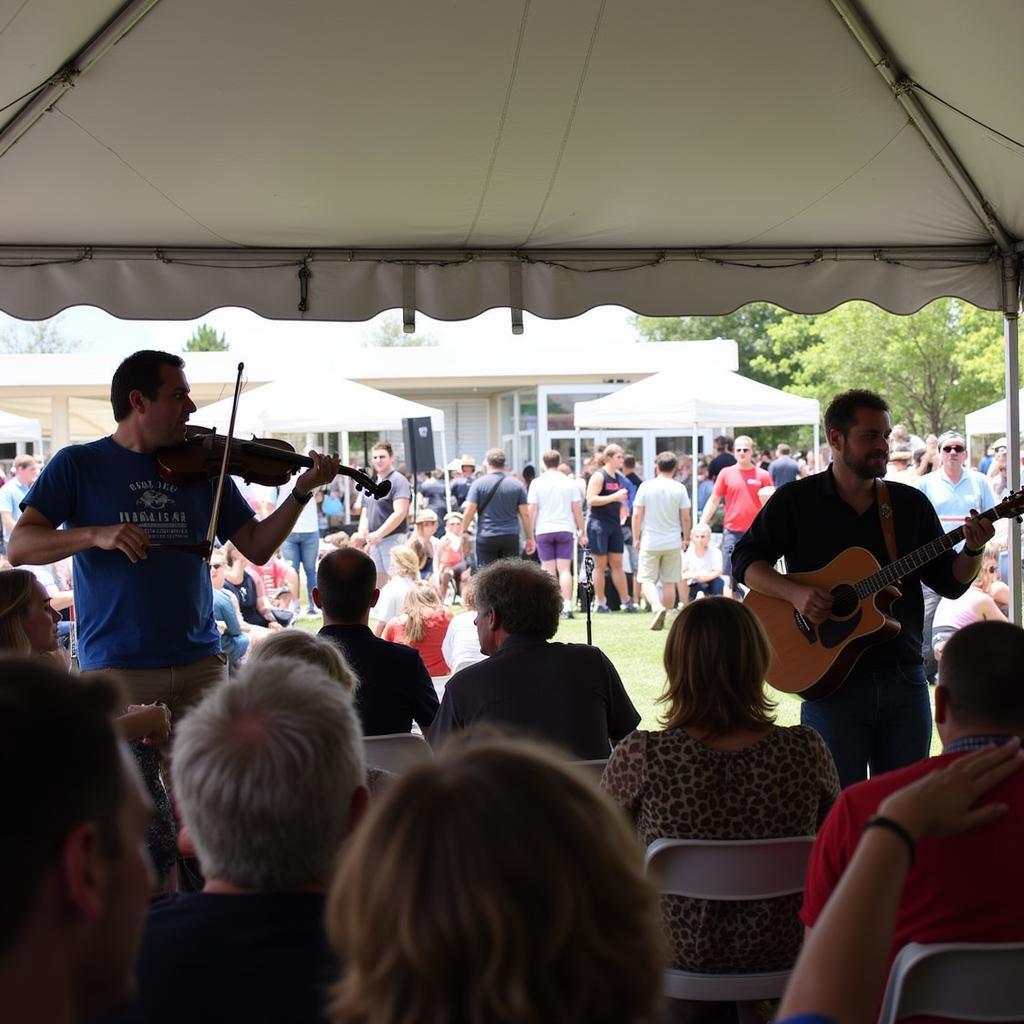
column 981, row 981
column 593, row 769
column 397, row 752
column 745, row 869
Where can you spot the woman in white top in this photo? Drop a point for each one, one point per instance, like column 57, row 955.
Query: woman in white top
column 974, row 605
column 702, row 564
column 461, row 645
column 404, row 570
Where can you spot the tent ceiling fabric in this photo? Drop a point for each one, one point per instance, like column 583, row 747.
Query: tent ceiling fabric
column 552, row 156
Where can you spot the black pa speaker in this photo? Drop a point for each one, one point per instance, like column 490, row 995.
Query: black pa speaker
column 419, row 444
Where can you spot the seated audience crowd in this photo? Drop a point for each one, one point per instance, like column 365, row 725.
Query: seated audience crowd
column 495, row 883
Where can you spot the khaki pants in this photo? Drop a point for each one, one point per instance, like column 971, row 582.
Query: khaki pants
column 177, row 686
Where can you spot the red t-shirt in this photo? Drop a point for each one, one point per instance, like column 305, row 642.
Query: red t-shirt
column 430, row 646
column 964, row 888
column 739, row 487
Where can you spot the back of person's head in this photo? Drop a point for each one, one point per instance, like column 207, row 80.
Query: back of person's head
column 783, row 449
column 723, row 443
column 841, row 412
column 141, row 371
column 467, row 595
column 551, row 459
column 345, row 583
column 421, row 550
column 527, row 599
column 716, row 657
column 60, row 767
column 16, row 589
column 406, row 560
column 299, row 647
column 666, row 462
column 266, row 770
column 629, row 461
column 495, row 884
column 981, row 674
column 419, row 606
column 495, row 458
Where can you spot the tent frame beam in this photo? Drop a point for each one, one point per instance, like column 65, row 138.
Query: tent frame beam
column 50, row 92
column 903, row 89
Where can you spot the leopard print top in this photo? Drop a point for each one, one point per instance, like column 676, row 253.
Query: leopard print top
column 678, row 788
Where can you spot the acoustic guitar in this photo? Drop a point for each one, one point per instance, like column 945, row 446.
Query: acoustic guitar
column 814, row 660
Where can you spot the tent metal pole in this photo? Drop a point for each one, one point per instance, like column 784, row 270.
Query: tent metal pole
column 817, row 449
column 693, row 481
column 903, row 89
column 343, row 442
column 1011, row 339
column 447, row 475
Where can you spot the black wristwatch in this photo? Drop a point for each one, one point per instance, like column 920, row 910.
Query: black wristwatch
column 973, row 552
column 303, row 500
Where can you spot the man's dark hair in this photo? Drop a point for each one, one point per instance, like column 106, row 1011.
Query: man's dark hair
column 384, row 446
column 527, row 599
column 784, row 449
column 666, row 462
column 139, row 372
column 842, row 410
column 724, row 442
column 60, row 766
column 629, row 461
column 981, row 673
column 345, row 581
column 551, row 459
column 495, row 458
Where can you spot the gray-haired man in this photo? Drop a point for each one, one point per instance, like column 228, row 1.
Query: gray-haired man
column 269, row 777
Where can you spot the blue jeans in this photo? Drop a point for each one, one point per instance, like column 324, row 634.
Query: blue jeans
column 879, row 719
column 730, row 538
column 716, row 588
column 303, row 548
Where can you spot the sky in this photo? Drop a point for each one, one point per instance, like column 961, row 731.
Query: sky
column 251, row 336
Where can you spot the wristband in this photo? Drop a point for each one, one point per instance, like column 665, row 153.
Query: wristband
column 973, row 552
column 879, row 821
column 304, row 500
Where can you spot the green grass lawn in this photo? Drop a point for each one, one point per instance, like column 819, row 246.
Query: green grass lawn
column 637, row 654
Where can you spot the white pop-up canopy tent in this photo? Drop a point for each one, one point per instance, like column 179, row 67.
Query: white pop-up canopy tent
column 683, row 398
column 17, row 429
column 320, row 404
column 550, row 156
column 990, row 420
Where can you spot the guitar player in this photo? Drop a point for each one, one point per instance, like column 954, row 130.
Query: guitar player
column 880, row 717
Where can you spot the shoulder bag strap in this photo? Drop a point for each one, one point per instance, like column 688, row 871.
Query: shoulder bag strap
column 487, row 497
column 886, row 518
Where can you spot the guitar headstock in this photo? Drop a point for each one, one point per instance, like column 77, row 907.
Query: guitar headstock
column 1011, row 507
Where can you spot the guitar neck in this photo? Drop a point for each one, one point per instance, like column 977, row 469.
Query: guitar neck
column 895, row 571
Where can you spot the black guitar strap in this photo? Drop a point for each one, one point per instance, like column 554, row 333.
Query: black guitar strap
column 885, row 517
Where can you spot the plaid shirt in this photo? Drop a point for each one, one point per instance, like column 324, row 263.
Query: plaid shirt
column 973, row 743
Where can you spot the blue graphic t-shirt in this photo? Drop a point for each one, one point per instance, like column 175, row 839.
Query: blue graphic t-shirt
column 155, row 612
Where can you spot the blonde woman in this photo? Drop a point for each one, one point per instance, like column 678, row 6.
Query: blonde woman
column 976, row 604
column 404, row 570
column 722, row 769
column 490, row 886
column 422, row 624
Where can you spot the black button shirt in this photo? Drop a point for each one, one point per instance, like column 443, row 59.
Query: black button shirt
column 809, row 524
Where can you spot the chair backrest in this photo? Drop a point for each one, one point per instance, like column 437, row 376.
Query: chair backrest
column 743, row 869
column 593, row 769
column 981, row 981
column 397, row 752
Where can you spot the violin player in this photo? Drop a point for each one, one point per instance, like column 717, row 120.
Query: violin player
column 144, row 608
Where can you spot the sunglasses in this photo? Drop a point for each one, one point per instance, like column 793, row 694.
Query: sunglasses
column 216, row 565
column 992, row 568
column 743, row 449
column 954, row 448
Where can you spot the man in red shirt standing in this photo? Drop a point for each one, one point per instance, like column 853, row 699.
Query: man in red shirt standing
column 739, row 485
column 965, row 887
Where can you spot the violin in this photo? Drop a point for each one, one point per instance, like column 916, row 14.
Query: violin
column 267, row 461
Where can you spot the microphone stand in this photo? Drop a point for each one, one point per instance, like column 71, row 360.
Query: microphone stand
column 587, row 587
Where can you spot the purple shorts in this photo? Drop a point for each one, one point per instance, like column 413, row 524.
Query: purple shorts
column 551, row 546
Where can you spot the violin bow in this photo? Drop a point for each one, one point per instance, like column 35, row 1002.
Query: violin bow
column 218, row 497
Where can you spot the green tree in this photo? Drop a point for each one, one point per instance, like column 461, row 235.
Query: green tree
column 748, row 326
column 389, row 334
column 40, row 336
column 206, row 339
column 933, row 367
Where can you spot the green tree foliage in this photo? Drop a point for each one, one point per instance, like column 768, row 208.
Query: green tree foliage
column 389, row 334
column 41, row 336
column 932, row 367
column 748, row 327
column 206, row 339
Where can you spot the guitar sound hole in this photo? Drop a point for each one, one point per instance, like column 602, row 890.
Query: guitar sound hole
column 844, row 601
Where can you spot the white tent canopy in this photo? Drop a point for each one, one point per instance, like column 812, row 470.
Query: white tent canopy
column 556, row 155
column 17, row 429
column 688, row 398
column 316, row 404
column 990, row 420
